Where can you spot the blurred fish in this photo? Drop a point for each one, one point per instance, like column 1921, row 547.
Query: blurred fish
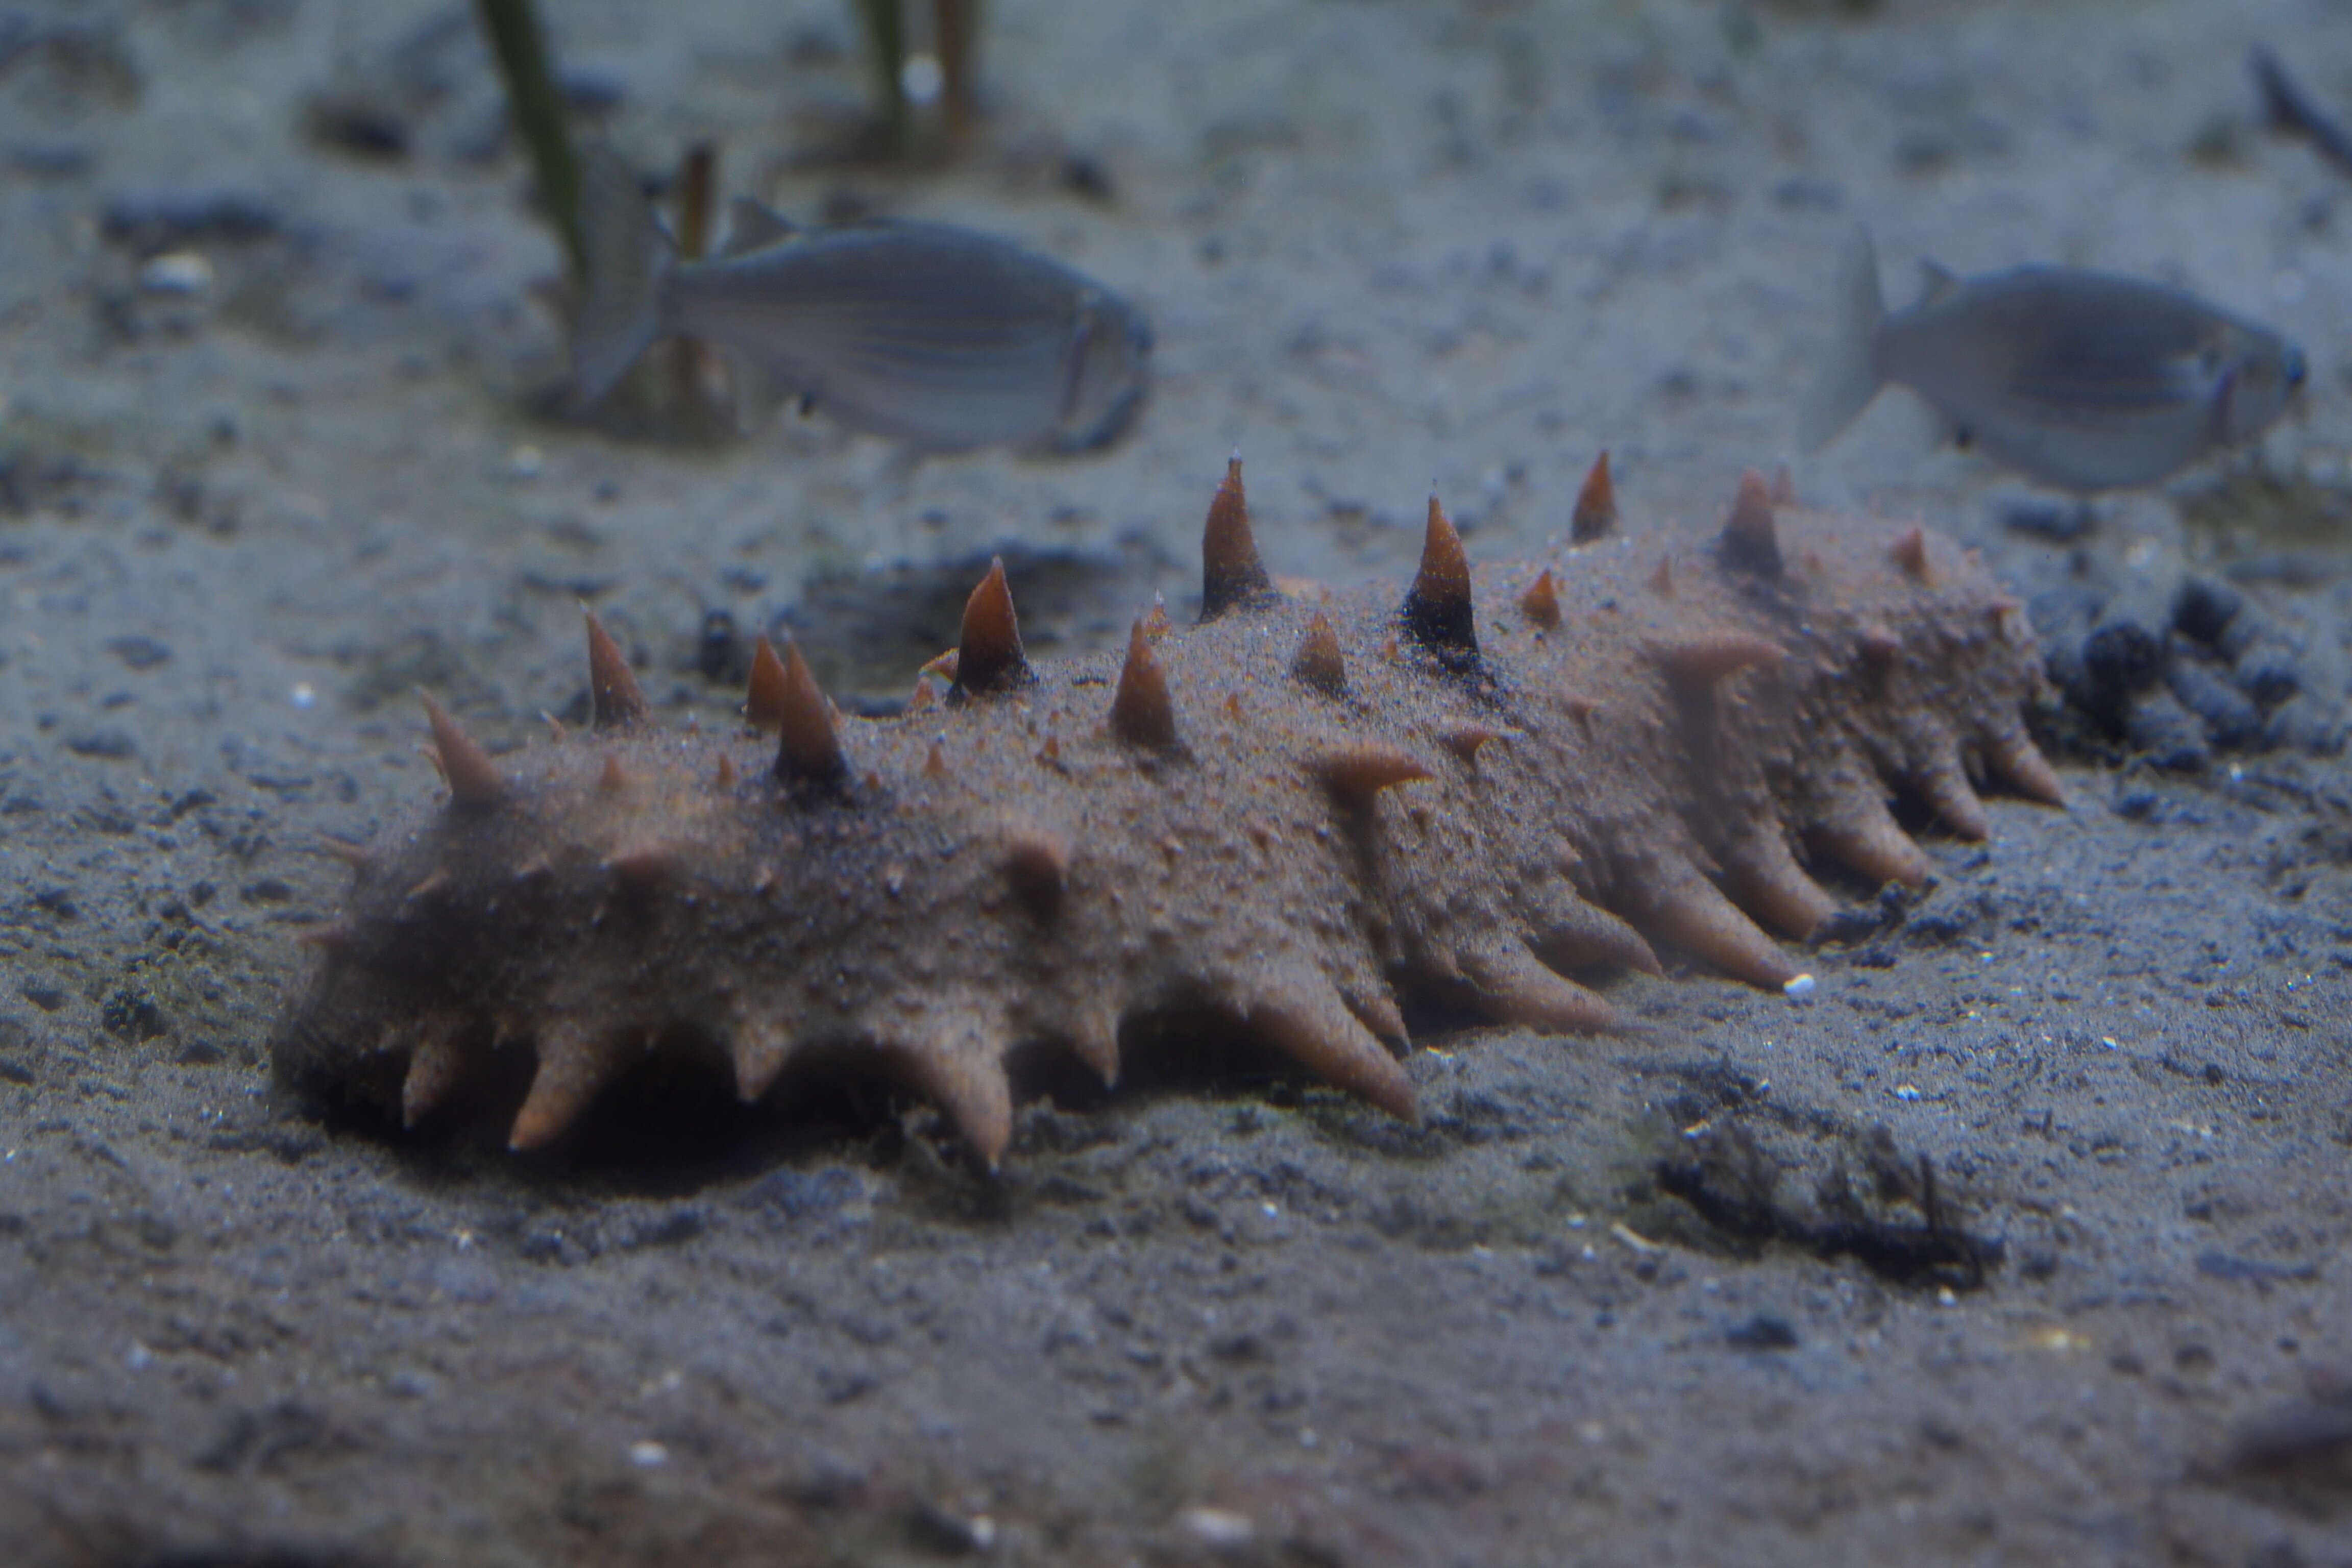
column 939, row 337
column 2083, row 380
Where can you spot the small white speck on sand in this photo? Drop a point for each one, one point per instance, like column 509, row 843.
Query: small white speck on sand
column 1633, row 1239
column 1218, row 1529
column 176, row 272
column 921, row 78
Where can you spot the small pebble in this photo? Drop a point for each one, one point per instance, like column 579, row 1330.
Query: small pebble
column 646, row 1456
column 2060, row 522
column 50, row 160
column 1800, row 988
column 176, row 272
column 921, row 79
column 2305, row 723
column 2168, row 734
column 1762, row 1332
column 1219, row 1528
column 950, row 1533
column 2231, row 718
column 2205, row 608
column 155, row 222
column 2122, row 653
column 2270, row 673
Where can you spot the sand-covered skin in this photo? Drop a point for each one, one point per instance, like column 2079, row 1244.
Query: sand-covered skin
column 1380, row 245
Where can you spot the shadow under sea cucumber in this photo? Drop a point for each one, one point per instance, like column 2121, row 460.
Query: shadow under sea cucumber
column 1504, row 775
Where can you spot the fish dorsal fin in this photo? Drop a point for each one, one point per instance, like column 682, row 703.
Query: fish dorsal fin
column 752, row 225
column 1936, row 280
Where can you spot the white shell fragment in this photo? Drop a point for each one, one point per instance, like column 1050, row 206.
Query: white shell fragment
column 176, row 272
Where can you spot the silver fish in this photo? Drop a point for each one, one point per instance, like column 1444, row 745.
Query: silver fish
column 940, row 337
column 2083, row 380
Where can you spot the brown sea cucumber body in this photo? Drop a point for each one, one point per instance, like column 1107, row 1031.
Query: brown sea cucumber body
column 1504, row 775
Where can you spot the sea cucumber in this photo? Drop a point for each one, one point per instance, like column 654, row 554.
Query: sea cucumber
column 1498, row 779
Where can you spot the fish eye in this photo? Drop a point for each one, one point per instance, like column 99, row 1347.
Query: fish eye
column 2293, row 369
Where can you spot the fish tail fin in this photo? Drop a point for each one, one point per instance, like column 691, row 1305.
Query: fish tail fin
column 629, row 262
column 1852, row 375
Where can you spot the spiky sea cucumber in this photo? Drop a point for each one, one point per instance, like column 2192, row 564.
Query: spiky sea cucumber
column 1506, row 776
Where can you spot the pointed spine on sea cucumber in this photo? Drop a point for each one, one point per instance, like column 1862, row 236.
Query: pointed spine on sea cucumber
column 1910, row 553
column 1879, row 645
column 1303, row 1016
column 1093, row 1036
column 436, row 1063
column 1688, row 910
column 1037, row 863
column 358, row 856
column 988, row 652
column 1863, row 835
column 1142, row 714
column 475, row 782
column 1696, row 664
column 1596, row 505
column 1232, row 577
column 1512, row 987
column 758, row 1046
column 1540, row 603
column 1764, row 878
column 641, row 867
column 615, row 700
column 956, row 1060
column 764, row 699
column 809, row 758
column 329, row 937
column 1464, row 739
column 1378, row 1011
column 430, row 886
column 1437, row 609
column 1942, row 784
column 1748, row 540
column 2014, row 759
column 1318, row 664
column 573, row 1065
column 1572, row 934
column 1155, row 624
column 1355, row 774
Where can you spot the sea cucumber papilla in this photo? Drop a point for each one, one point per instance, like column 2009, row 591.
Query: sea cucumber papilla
column 1499, row 778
